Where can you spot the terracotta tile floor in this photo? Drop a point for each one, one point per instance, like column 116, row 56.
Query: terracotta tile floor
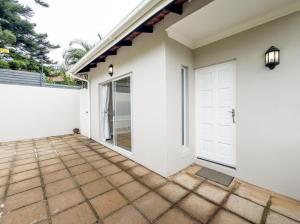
column 73, row 180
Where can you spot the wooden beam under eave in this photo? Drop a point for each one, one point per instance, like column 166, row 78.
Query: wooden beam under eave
column 85, row 69
column 108, row 53
column 124, row 43
column 178, row 9
column 145, row 29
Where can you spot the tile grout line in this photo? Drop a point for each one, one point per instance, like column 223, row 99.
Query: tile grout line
column 8, row 182
column 42, row 185
column 77, row 185
column 150, row 189
column 117, row 188
column 266, row 211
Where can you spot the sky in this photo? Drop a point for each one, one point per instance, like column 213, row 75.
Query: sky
column 66, row 20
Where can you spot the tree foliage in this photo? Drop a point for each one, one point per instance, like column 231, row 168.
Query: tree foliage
column 17, row 32
column 77, row 49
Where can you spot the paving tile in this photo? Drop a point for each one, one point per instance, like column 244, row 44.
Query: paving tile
column 26, row 167
column 88, row 153
column 2, row 191
column 109, row 154
column 193, row 169
column 253, row 193
column 65, row 200
column 81, row 214
column 175, row 216
column 5, row 165
column 120, row 178
column 103, row 150
column 138, row 171
column 58, row 175
column 23, row 185
column 52, row 168
column 108, row 203
column 211, row 192
column 172, row 192
column 244, row 208
column 86, row 177
column 153, row 180
column 59, row 186
column 152, row 205
column 75, row 170
column 197, row 207
column 127, row 164
column 224, row 217
column 24, row 198
column 126, row 215
column 286, row 206
column 24, row 161
column 70, row 157
column 75, row 162
column 93, row 158
column 133, row 190
column 4, row 172
column 27, row 215
column 95, row 188
column 108, row 170
column 49, row 162
column 275, row 218
column 187, row 181
column 3, row 180
column 24, row 175
column 100, row 163
column 118, row 158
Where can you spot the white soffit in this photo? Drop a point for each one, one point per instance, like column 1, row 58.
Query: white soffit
column 223, row 18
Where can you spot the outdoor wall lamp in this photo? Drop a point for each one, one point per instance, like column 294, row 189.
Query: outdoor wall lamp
column 272, row 57
column 111, row 70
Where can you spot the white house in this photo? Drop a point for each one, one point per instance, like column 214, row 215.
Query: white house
column 181, row 82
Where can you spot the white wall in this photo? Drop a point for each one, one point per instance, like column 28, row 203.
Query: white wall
column 268, row 105
column 32, row 112
column 178, row 156
column 145, row 60
column 84, row 112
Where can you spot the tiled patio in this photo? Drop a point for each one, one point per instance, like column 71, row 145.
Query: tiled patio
column 73, row 180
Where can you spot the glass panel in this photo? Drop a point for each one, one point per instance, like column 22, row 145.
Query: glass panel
column 122, row 113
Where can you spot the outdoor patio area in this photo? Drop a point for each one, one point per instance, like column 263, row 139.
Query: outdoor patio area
column 73, row 180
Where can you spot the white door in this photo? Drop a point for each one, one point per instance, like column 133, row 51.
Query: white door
column 84, row 112
column 215, row 113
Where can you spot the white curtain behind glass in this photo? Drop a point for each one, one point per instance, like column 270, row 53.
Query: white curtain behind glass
column 105, row 97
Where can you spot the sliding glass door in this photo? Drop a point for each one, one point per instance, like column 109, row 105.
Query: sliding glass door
column 116, row 112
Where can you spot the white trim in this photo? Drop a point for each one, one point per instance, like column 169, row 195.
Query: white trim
column 138, row 16
column 289, row 9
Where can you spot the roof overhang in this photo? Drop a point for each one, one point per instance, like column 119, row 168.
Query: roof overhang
column 140, row 20
column 220, row 19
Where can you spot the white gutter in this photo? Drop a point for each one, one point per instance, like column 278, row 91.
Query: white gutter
column 89, row 101
column 139, row 15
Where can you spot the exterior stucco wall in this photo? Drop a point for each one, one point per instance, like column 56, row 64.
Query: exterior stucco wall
column 145, row 60
column 178, row 156
column 268, row 106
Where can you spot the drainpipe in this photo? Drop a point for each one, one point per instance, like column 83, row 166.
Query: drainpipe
column 89, row 100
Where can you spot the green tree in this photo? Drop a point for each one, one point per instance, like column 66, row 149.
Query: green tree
column 18, row 34
column 77, row 49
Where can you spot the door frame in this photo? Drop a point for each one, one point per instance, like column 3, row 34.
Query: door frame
column 213, row 163
column 116, row 148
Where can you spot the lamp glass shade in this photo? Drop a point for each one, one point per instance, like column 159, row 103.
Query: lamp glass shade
column 111, row 70
column 272, row 57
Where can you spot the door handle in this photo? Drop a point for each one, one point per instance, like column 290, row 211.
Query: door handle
column 233, row 115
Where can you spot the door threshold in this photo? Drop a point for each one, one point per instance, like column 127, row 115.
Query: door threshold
column 218, row 163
